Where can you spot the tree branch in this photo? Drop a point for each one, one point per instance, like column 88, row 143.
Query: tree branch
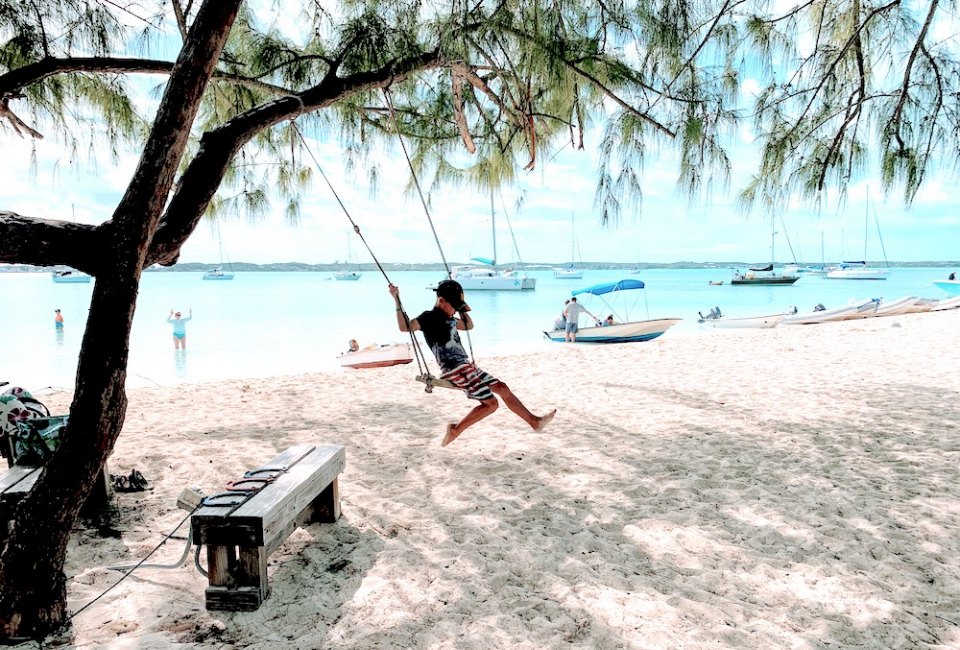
column 205, row 172
column 46, row 242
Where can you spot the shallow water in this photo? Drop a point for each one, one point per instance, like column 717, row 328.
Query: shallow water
column 269, row 324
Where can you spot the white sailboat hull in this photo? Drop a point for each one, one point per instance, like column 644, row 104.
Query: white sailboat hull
column 568, row 274
column 858, row 274
column 70, row 277
column 378, row 356
column 633, row 332
column 483, row 279
column 348, row 276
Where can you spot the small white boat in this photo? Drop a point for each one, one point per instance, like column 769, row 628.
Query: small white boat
column 747, row 322
column 950, row 286
column 69, row 277
column 378, row 356
column 895, row 307
column 347, row 275
column 946, row 303
column 922, row 305
column 627, row 331
column 218, row 274
column 847, row 312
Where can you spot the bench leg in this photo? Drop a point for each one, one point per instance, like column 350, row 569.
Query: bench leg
column 325, row 509
column 237, row 578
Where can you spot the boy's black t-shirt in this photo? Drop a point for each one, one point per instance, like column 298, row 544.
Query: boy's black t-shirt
column 440, row 332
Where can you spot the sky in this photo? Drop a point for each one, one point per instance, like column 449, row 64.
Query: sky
column 556, row 224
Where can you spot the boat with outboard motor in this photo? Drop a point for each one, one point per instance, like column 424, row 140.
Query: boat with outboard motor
column 69, row 277
column 623, row 330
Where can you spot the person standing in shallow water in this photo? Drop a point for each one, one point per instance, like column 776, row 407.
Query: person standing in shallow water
column 179, row 329
column 440, row 327
column 57, row 319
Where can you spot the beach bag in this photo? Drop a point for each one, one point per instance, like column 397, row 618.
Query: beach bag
column 36, row 439
column 17, row 405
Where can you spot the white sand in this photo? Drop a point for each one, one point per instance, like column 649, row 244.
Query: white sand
column 786, row 488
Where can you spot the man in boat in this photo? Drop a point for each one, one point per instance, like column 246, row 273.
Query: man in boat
column 440, row 327
column 608, row 321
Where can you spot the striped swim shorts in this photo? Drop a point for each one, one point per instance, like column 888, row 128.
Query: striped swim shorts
column 473, row 381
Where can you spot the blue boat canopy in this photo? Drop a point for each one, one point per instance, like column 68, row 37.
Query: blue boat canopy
column 609, row 287
column 484, row 260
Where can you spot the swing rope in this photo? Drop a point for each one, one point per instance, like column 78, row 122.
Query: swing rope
column 423, row 367
column 418, row 353
column 423, row 202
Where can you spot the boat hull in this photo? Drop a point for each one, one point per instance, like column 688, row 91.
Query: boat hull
column 945, row 304
column 847, row 312
column 567, row 274
column 347, row 276
column 380, row 356
column 773, row 279
column 495, row 281
column 896, row 307
column 858, row 274
column 71, row 278
column 752, row 322
column 633, row 332
column 950, row 286
column 218, row 276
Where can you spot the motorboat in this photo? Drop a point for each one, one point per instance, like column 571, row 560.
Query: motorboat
column 744, row 322
column 946, row 303
column 850, row 311
column 950, row 286
column 623, row 330
column 896, row 307
column 218, row 274
column 377, row 356
column 69, row 277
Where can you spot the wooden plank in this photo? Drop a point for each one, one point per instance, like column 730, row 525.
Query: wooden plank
column 252, row 568
column 17, row 474
column 218, row 565
column 243, row 599
column 325, row 509
column 265, row 519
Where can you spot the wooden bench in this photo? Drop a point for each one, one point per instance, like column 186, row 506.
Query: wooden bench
column 17, row 481
column 241, row 536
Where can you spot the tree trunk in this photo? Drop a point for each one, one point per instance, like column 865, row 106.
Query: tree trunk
column 33, row 596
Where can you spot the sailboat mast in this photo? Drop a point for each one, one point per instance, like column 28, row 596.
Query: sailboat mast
column 493, row 225
column 866, row 225
column 773, row 237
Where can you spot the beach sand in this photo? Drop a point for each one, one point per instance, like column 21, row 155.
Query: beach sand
column 787, row 488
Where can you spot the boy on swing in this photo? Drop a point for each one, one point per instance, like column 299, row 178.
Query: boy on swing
column 439, row 326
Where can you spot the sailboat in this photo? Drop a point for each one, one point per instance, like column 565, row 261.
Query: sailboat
column 69, row 276
column 571, row 271
column 218, row 273
column 348, row 275
column 487, row 277
column 858, row 270
column 764, row 274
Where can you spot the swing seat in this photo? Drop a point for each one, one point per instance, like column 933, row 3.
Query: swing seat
column 430, row 381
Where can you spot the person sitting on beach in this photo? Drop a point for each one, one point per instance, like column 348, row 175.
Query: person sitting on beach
column 179, row 329
column 440, row 327
column 952, row 277
column 572, row 313
column 353, row 346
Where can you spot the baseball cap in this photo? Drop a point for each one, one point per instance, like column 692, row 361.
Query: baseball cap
column 451, row 291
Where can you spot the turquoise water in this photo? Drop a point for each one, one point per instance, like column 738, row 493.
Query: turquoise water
column 268, row 324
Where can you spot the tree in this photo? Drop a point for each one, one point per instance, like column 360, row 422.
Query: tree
column 479, row 90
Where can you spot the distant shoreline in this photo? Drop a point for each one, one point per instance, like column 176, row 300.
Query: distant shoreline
column 280, row 267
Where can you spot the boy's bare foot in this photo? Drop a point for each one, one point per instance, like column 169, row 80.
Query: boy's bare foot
column 544, row 421
column 451, row 436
